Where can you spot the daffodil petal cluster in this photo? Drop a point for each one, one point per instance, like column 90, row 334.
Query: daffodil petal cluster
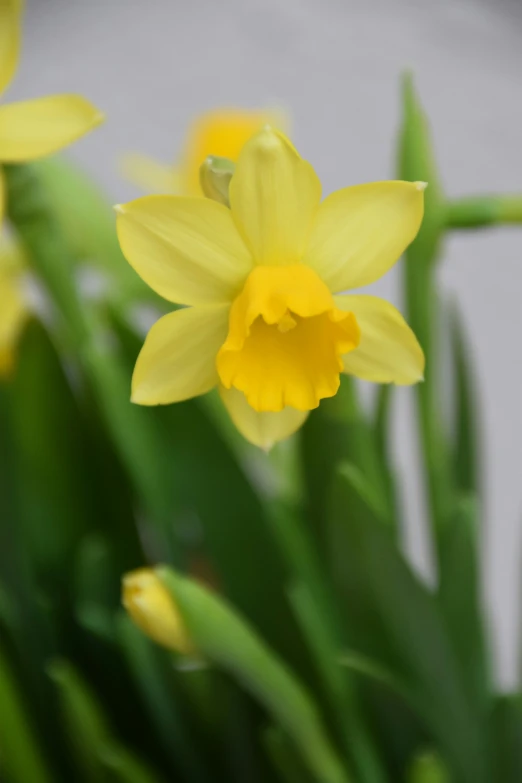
column 266, row 319
column 35, row 128
column 220, row 132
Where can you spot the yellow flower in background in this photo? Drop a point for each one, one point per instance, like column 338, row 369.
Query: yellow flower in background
column 13, row 311
column 266, row 320
column 35, row 128
column 222, row 132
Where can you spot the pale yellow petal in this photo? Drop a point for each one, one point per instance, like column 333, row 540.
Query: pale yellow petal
column 261, row 429
column 388, row 351
column 10, row 34
column 274, row 196
column 187, row 249
column 178, row 359
column 34, row 129
column 150, row 175
column 13, row 314
column 360, row 232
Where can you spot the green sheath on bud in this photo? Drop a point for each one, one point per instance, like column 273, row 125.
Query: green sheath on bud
column 214, row 175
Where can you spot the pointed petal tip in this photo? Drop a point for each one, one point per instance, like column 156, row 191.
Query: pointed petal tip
column 421, row 185
column 119, row 208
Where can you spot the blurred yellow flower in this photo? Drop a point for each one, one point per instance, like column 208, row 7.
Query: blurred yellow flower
column 222, row 132
column 152, row 609
column 13, row 311
column 265, row 318
column 35, row 128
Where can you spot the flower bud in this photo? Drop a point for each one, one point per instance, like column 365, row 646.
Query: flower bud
column 214, row 175
column 152, row 609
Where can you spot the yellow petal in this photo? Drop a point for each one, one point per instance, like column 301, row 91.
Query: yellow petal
column 388, row 351
column 187, row 249
column 150, row 175
column 178, row 359
column 360, row 232
column 261, row 429
column 274, row 195
column 222, row 132
column 13, row 315
column 10, row 29
column 33, row 129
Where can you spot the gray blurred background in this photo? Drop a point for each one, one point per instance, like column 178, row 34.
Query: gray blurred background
column 336, row 64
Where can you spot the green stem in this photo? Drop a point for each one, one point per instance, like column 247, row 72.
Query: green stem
column 482, row 211
column 423, row 311
column 133, row 433
column 416, row 162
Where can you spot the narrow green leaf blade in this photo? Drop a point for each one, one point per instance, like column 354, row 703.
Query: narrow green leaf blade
column 83, row 720
column 335, row 432
column 20, row 755
column 506, row 725
column 416, row 162
column 460, row 597
column 467, row 447
column 395, row 621
column 125, row 767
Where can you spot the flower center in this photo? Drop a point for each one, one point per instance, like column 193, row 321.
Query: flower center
column 285, row 340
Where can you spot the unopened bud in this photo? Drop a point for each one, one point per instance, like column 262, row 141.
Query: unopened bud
column 151, row 607
column 214, row 175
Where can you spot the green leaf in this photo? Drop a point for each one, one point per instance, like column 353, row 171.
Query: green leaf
column 506, row 727
column 50, row 469
column 83, row 720
column 221, row 636
column 20, row 755
column 460, row 597
column 396, row 622
column 99, row 757
column 125, row 767
column 153, row 676
column 338, row 687
column 87, row 223
column 289, row 766
column 467, row 448
column 335, row 432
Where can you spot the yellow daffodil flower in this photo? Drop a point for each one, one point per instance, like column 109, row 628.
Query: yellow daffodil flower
column 13, row 311
column 222, row 132
column 36, row 128
column 266, row 320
